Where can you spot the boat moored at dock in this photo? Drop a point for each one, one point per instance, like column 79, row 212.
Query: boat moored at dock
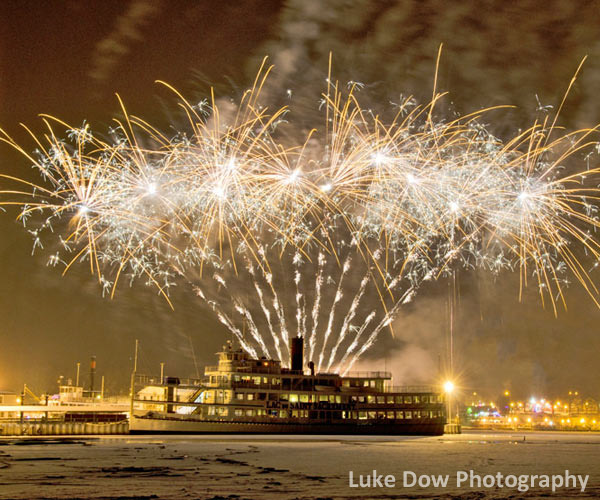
column 246, row 395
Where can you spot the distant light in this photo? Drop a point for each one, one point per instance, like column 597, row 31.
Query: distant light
column 523, row 196
column 151, row 188
column 454, row 206
column 83, row 209
column 448, row 386
column 327, row 187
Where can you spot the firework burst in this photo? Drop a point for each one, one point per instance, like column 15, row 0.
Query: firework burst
column 327, row 238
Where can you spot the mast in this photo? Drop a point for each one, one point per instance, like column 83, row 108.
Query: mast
column 135, row 358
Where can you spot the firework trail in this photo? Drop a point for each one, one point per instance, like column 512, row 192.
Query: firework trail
column 327, row 236
column 312, row 340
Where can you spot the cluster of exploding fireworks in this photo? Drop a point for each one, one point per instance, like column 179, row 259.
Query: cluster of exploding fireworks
column 326, row 238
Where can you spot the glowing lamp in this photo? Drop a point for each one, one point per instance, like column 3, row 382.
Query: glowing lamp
column 448, row 386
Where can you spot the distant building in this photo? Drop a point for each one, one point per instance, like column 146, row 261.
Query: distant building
column 8, row 398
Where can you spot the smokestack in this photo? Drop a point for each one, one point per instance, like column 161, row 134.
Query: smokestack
column 92, row 374
column 297, row 353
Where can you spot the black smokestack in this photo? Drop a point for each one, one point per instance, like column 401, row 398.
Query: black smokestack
column 92, row 374
column 297, row 351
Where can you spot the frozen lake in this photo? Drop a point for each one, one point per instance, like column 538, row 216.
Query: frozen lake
column 288, row 467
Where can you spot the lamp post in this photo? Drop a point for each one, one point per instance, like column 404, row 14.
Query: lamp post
column 448, row 389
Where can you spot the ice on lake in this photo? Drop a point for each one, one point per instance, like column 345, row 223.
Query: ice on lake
column 287, row 467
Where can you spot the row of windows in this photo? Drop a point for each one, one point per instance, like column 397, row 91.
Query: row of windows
column 274, row 381
column 362, row 383
column 254, row 380
column 404, row 414
column 292, row 398
column 432, row 398
column 224, row 411
column 336, row 398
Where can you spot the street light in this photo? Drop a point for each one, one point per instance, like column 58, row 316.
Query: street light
column 448, row 389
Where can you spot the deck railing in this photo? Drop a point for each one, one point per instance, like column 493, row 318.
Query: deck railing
column 365, row 374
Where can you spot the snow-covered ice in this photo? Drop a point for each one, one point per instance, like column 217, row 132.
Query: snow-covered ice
column 285, row 467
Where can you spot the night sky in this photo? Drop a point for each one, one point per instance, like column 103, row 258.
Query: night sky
column 69, row 58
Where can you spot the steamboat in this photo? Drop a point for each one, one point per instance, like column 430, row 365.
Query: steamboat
column 245, row 395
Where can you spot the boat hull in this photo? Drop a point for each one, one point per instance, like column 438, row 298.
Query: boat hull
column 149, row 425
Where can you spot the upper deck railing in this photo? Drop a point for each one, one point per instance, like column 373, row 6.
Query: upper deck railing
column 180, row 381
column 363, row 374
column 354, row 374
column 412, row 388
